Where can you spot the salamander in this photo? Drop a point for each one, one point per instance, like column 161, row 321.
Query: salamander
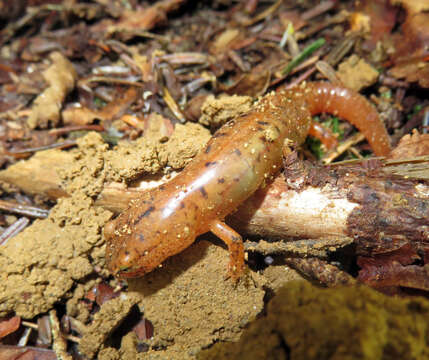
column 241, row 156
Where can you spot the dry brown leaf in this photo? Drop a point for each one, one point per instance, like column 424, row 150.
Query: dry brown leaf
column 80, row 116
column 411, row 145
column 113, row 110
column 416, row 71
column 144, row 18
column 252, row 84
column 224, row 40
column 382, row 18
column 9, row 352
column 413, row 6
column 294, row 17
column 411, row 56
column 61, row 77
column 9, row 325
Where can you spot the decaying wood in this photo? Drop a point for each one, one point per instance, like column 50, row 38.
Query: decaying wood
column 39, row 175
column 368, row 203
column 321, row 270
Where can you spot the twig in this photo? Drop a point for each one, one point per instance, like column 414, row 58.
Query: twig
column 321, row 270
column 172, row 105
column 59, row 343
column 24, row 338
column 13, row 230
column 34, row 326
column 352, row 140
column 30, row 211
column 27, row 151
column 318, row 9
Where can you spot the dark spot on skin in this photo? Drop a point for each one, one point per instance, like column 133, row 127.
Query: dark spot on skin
column 126, row 252
column 162, row 187
column 143, row 215
column 220, row 180
column 210, row 163
column 148, row 211
column 203, row 191
column 208, row 148
column 262, row 123
column 258, row 158
column 141, row 237
column 238, row 152
column 218, row 134
column 182, row 205
column 236, row 179
column 235, row 238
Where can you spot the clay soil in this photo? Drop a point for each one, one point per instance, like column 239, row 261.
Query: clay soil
column 187, row 308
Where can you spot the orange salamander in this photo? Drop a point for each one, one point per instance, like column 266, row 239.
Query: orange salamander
column 242, row 155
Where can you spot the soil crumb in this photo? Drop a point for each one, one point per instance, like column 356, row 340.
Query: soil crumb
column 305, row 322
column 187, row 140
column 191, row 305
column 216, row 112
column 111, row 314
column 60, row 77
column 40, row 265
column 356, row 73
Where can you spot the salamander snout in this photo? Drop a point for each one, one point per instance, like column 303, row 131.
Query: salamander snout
column 124, row 261
column 122, row 258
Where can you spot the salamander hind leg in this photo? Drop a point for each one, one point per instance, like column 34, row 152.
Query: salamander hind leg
column 235, row 246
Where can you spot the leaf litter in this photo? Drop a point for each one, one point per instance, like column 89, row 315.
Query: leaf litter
column 133, row 69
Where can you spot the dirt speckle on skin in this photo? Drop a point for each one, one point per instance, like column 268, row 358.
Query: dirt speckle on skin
column 216, row 112
column 191, row 304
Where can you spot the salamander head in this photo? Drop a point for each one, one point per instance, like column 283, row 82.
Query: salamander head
column 137, row 244
column 131, row 252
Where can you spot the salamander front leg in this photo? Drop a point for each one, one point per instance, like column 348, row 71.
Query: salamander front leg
column 235, row 246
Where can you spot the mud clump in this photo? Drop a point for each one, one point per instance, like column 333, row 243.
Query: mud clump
column 191, row 305
column 41, row 264
column 305, row 322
